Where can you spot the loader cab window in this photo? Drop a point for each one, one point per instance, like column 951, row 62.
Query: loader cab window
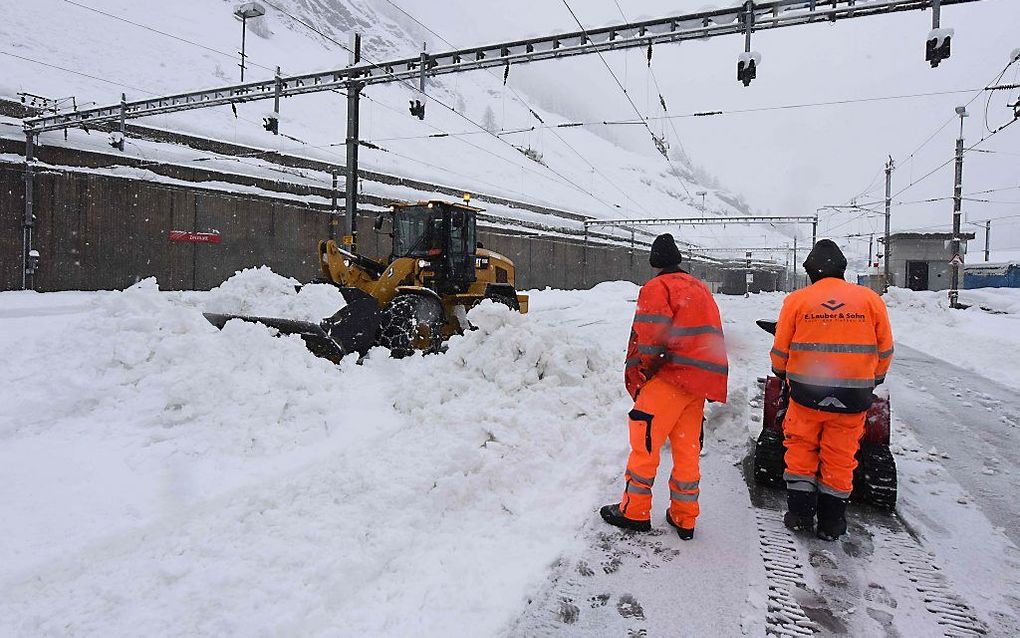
column 462, row 232
column 410, row 227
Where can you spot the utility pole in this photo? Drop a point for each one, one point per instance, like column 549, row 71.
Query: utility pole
column 890, row 166
column 353, row 140
column 584, row 259
column 794, row 270
column 988, row 245
column 957, row 261
column 334, row 209
column 788, row 270
column 245, row 11
column 871, row 252
column 29, row 256
column 749, row 278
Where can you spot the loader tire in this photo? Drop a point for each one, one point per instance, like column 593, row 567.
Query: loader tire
column 412, row 323
column 769, row 459
column 875, row 477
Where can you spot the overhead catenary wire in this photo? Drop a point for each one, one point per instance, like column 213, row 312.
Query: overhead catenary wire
column 635, row 122
column 976, row 94
column 533, row 113
column 634, row 106
column 562, row 178
column 309, row 26
column 658, row 88
column 216, row 157
column 946, row 163
column 164, row 33
column 75, row 72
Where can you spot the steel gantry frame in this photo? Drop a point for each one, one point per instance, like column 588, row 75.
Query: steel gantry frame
column 696, row 221
column 744, row 19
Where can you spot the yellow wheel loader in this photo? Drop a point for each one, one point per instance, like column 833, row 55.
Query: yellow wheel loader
column 435, row 273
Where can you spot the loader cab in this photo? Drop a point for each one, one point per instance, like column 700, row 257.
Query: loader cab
column 441, row 234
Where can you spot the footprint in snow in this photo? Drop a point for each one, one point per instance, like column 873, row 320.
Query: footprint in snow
column 600, row 600
column 629, row 607
column 568, row 611
column 878, row 594
column 822, row 559
column 612, row 564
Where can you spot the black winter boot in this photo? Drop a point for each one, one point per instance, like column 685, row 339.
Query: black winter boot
column 612, row 515
column 801, row 516
column 831, row 517
column 684, row 533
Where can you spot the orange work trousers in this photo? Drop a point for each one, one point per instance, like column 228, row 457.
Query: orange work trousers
column 821, row 449
column 663, row 411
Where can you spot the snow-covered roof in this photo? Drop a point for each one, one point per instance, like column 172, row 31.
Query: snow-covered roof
column 1001, row 268
column 927, row 235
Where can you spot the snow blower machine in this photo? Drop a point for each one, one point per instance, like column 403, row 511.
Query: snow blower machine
column 875, row 476
column 435, row 273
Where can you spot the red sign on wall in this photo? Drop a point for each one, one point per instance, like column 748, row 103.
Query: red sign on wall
column 189, row 237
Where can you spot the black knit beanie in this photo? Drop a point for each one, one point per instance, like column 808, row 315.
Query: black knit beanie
column 825, row 260
column 664, row 253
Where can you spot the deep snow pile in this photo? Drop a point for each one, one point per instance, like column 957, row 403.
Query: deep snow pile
column 227, row 482
column 262, row 293
column 984, row 342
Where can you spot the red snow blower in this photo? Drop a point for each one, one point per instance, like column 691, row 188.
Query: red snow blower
column 875, row 476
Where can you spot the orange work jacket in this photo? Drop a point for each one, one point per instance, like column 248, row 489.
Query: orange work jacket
column 677, row 337
column 833, row 345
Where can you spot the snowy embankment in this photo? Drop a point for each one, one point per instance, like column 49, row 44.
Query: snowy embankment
column 984, row 339
column 162, row 477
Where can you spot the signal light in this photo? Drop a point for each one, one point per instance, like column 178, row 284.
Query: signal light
column 939, row 46
column 116, row 140
column 747, row 67
column 417, row 109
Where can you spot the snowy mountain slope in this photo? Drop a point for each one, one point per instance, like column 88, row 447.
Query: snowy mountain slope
column 603, row 172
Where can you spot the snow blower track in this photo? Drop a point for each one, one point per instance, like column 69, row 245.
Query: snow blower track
column 784, row 571
column 950, row 611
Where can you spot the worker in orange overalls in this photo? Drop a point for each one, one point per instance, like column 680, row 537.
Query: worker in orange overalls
column 676, row 359
column 833, row 345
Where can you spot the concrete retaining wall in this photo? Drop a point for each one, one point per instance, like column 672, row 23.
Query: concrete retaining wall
column 98, row 232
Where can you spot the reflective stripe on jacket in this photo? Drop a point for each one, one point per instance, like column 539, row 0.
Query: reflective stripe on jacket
column 677, row 337
column 833, row 344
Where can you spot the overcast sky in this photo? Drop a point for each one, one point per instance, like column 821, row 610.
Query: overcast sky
column 794, row 161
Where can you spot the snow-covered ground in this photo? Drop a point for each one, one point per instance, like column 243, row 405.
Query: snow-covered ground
column 984, row 339
column 160, row 477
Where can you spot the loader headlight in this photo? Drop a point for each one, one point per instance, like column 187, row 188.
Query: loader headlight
column 422, row 263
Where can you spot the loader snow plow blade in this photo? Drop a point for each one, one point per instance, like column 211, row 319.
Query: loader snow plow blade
column 352, row 329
